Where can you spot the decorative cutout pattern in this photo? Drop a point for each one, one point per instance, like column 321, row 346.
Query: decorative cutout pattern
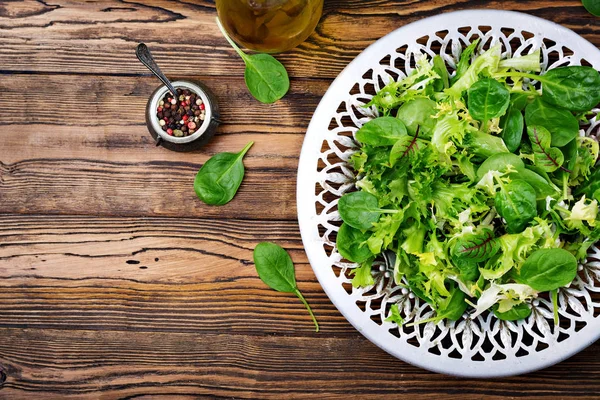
column 484, row 339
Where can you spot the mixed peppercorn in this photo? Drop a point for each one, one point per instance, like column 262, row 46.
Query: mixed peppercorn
column 182, row 115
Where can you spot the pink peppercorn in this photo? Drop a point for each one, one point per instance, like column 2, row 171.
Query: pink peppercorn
column 160, row 109
column 170, row 131
column 185, row 117
column 202, row 106
column 191, row 125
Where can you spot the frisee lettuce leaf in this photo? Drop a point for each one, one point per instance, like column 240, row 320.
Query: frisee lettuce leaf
column 467, row 213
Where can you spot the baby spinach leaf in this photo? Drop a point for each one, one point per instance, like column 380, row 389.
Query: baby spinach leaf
column 540, row 184
column 361, row 210
column 395, row 315
column 266, row 78
column 351, row 244
column 382, row 131
column 519, row 100
column 484, row 144
column 593, row 6
column 575, row 88
column 516, row 203
column 451, row 308
column 561, row 124
column 499, row 162
column 519, row 311
column 276, row 269
column 476, row 247
column 417, row 114
column 547, row 158
column 469, row 270
column 454, row 307
column 512, row 128
column 488, row 99
column 220, row 177
column 548, row 269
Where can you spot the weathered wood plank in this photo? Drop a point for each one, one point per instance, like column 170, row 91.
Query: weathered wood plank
column 120, row 103
column 104, row 171
column 100, row 36
column 97, row 187
column 151, row 274
column 87, row 152
column 157, row 294
column 91, row 364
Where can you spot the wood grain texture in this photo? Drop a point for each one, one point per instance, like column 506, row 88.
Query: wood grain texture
column 93, row 364
column 116, row 282
column 95, row 161
column 99, row 36
column 134, row 319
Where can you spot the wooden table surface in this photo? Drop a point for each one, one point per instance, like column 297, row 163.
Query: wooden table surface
column 116, row 282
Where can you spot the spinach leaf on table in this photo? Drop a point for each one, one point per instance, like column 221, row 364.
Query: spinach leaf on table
column 593, row 6
column 382, row 131
column 276, row 269
column 220, row 177
column 266, row 78
column 546, row 157
column 516, row 203
column 512, row 126
column 548, row 269
column 351, row 243
column 561, row 124
column 361, row 210
column 487, row 99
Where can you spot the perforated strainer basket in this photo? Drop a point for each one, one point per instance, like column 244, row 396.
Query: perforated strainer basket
column 480, row 347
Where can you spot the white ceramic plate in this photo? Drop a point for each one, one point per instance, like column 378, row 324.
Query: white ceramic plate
column 484, row 346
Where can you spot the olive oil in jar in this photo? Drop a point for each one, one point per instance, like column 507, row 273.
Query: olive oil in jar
column 270, row 26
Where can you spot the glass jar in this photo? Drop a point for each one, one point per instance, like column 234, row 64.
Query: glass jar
column 270, row 26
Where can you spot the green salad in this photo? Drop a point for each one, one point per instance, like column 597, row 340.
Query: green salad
column 479, row 184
